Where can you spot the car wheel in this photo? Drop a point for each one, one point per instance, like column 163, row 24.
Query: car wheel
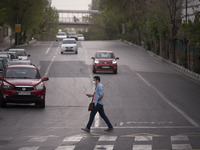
column 94, row 71
column 115, row 72
column 42, row 104
column 2, row 104
column 61, row 52
column 76, row 52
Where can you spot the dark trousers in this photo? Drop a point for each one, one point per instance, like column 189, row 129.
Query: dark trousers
column 98, row 108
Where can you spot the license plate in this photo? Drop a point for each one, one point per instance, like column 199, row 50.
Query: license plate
column 105, row 67
column 24, row 93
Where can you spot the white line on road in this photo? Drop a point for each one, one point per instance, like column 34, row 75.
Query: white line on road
column 169, row 102
column 47, row 51
column 49, row 66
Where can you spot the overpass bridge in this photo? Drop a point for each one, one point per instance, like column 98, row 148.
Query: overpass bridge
column 75, row 18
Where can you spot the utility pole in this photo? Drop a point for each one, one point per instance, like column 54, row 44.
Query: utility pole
column 185, row 39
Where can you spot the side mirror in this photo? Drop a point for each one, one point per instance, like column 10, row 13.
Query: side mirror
column 117, row 58
column 45, row 79
column 92, row 58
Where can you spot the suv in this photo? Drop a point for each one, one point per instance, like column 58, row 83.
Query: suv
column 21, row 53
column 22, row 84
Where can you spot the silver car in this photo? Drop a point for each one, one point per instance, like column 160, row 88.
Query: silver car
column 69, row 45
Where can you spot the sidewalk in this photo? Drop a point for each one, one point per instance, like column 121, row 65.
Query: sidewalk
column 6, row 44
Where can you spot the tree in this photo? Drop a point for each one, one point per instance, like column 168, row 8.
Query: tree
column 28, row 13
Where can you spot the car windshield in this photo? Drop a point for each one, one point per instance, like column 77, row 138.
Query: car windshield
column 105, row 55
column 61, row 34
column 69, row 42
column 22, row 73
column 21, row 53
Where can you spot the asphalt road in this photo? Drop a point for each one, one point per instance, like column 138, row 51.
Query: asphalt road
column 151, row 105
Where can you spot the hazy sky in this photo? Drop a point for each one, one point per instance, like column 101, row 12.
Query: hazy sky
column 71, row 4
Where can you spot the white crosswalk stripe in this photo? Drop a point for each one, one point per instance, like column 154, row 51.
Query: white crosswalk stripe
column 104, row 147
column 142, row 147
column 29, row 148
column 65, row 147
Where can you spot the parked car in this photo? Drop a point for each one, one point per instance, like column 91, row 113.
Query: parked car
column 80, row 37
column 72, row 35
column 22, row 84
column 13, row 55
column 5, row 56
column 20, row 62
column 69, row 45
column 105, row 61
column 2, row 66
column 21, row 53
column 60, row 36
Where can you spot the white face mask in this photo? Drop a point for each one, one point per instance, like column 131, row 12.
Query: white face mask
column 94, row 82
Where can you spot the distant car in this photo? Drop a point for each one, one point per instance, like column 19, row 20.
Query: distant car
column 72, row 35
column 13, row 55
column 22, row 84
column 69, row 45
column 21, row 53
column 80, row 37
column 2, row 66
column 105, row 61
column 60, row 36
column 5, row 56
column 20, row 62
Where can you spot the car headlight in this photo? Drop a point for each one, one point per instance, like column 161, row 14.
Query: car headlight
column 114, row 62
column 40, row 86
column 96, row 61
column 7, row 86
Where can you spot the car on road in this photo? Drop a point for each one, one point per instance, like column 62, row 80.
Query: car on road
column 104, row 61
column 72, row 35
column 20, row 62
column 60, row 36
column 5, row 56
column 13, row 55
column 80, row 37
column 21, row 53
column 2, row 66
column 69, row 45
column 22, row 84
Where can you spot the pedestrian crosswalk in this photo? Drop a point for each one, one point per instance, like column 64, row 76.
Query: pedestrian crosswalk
column 109, row 142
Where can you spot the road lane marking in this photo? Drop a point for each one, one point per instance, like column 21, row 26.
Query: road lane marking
column 104, row 147
column 142, row 147
column 107, row 138
column 73, row 139
column 181, row 147
column 189, row 119
column 29, row 148
column 143, row 138
column 65, row 147
column 47, row 51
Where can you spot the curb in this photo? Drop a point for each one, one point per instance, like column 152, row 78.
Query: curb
column 180, row 68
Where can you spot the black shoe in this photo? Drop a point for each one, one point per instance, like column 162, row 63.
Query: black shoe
column 109, row 129
column 85, row 129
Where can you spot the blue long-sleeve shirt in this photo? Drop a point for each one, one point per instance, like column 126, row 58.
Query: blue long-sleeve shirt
column 99, row 91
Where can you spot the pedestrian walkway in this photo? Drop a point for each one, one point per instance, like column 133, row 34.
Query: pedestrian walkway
column 6, row 44
column 140, row 141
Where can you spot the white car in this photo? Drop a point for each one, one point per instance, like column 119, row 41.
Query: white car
column 21, row 53
column 69, row 45
column 60, row 36
column 80, row 37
